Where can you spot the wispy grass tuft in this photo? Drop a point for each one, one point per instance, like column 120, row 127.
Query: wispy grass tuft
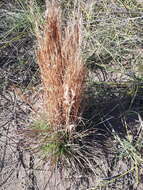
column 63, row 74
column 62, row 69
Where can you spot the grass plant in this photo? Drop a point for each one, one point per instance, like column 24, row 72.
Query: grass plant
column 63, row 79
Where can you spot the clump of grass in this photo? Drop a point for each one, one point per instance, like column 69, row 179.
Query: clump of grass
column 63, row 78
column 62, row 69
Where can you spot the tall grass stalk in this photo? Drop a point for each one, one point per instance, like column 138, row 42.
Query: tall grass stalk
column 62, row 69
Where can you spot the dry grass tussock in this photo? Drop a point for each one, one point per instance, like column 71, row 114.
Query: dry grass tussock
column 62, row 70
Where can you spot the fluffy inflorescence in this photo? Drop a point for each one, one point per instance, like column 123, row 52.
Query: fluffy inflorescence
column 62, row 69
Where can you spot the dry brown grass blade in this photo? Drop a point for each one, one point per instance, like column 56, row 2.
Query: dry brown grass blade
column 62, row 70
